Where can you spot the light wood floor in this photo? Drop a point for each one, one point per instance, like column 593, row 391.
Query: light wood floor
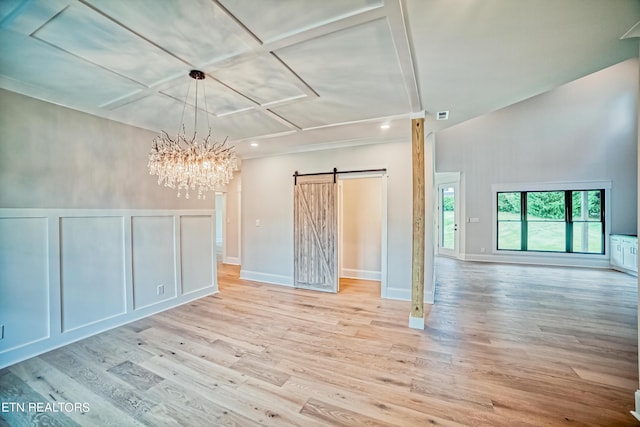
column 504, row 345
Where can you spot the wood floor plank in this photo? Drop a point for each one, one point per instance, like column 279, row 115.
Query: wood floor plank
column 504, row 345
column 337, row 416
column 16, row 392
column 60, row 387
column 119, row 393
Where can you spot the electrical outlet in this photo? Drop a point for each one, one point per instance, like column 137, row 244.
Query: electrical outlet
column 160, row 289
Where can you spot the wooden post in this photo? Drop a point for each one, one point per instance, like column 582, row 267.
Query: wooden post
column 416, row 319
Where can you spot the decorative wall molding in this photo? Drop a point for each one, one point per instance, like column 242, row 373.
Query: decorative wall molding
column 66, row 274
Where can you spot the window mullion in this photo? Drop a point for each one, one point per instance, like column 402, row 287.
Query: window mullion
column 568, row 218
column 523, row 221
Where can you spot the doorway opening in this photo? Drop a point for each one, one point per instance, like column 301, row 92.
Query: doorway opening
column 448, row 215
column 362, row 233
column 221, row 220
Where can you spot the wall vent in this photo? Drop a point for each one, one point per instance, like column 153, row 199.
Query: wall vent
column 442, row 115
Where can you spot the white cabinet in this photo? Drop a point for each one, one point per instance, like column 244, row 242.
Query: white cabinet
column 624, row 253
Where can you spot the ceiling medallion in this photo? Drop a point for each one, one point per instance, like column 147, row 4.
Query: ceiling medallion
column 188, row 164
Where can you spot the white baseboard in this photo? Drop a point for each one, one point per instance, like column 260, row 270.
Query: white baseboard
column 274, row 279
column 636, row 413
column 624, row 270
column 351, row 273
column 231, row 260
column 416, row 322
column 405, row 295
column 539, row 258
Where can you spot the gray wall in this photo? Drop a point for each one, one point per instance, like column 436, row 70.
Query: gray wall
column 55, row 157
column 583, row 131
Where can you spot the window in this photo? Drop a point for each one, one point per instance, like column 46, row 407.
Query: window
column 551, row 221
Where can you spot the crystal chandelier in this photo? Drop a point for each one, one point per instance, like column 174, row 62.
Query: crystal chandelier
column 187, row 164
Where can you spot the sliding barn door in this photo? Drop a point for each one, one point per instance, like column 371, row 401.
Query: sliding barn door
column 315, row 232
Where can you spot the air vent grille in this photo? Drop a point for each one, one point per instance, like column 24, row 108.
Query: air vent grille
column 442, row 115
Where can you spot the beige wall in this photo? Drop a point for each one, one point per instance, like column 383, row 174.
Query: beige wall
column 360, row 248
column 232, row 243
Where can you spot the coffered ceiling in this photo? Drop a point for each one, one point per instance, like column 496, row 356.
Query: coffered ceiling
column 304, row 74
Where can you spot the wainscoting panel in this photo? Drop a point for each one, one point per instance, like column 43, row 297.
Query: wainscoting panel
column 197, row 252
column 92, row 270
column 66, row 274
column 154, row 258
column 24, row 281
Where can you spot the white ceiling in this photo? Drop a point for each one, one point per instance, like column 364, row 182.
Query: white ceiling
column 299, row 75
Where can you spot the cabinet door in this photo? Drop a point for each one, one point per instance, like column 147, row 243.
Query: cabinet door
column 616, row 251
column 630, row 254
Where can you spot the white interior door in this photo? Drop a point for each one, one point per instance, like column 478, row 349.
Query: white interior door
column 448, row 219
column 316, row 234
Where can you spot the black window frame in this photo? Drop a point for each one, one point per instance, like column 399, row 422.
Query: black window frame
column 568, row 220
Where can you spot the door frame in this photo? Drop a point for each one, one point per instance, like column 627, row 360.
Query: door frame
column 223, row 219
column 383, row 223
column 451, row 179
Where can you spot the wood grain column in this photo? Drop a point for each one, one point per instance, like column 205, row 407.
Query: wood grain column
column 417, row 273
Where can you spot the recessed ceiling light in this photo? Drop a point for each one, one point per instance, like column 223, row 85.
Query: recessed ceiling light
column 254, row 144
column 385, row 126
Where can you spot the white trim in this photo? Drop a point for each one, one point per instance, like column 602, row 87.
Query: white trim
column 636, row 413
column 624, row 270
column 552, row 186
column 542, row 258
column 239, row 220
column 231, row 260
column 273, row 279
column 404, row 295
column 416, row 322
column 351, row 273
column 75, row 213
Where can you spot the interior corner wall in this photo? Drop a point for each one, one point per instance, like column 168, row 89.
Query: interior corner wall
column 267, row 209
column 88, row 239
column 583, row 131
